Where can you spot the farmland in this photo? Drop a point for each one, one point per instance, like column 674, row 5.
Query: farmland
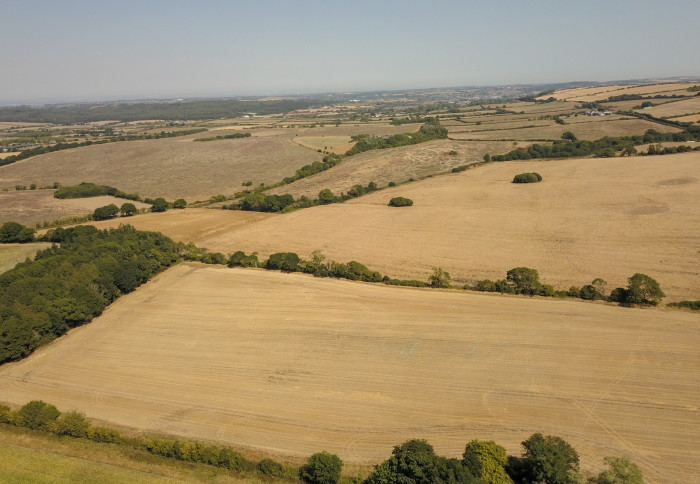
column 279, row 363
column 284, row 365
column 597, row 218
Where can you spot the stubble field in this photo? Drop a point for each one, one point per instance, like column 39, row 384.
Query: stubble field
column 290, row 365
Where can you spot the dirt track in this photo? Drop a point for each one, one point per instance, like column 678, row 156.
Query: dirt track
column 290, row 365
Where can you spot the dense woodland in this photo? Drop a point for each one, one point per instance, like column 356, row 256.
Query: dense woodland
column 69, row 284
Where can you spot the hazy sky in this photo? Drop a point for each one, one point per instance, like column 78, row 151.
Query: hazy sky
column 69, row 50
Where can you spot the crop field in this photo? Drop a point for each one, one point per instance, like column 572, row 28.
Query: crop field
column 608, row 218
column 170, row 168
column 29, row 207
column 589, row 131
column 290, row 365
column 589, row 94
column 12, row 254
column 674, row 109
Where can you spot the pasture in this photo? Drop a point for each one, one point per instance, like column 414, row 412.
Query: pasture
column 171, row 167
column 29, row 207
column 12, row 254
column 288, row 365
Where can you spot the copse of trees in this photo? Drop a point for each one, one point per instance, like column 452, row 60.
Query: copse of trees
column 87, row 190
column 400, row 202
column 429, row 131
column 67, row 285
column 15, row 232
column 527, row 178
column 105, row 213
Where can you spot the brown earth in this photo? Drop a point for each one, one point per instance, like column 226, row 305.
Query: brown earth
column 291, row 365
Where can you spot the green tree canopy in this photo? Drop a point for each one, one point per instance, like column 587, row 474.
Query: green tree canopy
column 486, row 460
column 180, row 203
column 643, row 290
column 321, row 468
column 128, row 209
column 326, row 196
column 549, row 459
column 159, row 205
column 14, row 232
column 524, row 280
column 106, row 212
column 620, row 471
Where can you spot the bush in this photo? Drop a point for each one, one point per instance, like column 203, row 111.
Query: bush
column 400, row 202
column 180, row 203
column 527, row 178
column 14, row 232
column 283, row 261
column 72, row 423
column 128, row 209
column 159, row 205
column 105, row 213
column 38, row 415
column 270, row 468
column 321, row 468
column 439, row 278
column 694, row 305
column 103, row 434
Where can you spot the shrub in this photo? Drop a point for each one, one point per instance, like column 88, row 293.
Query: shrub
column 694, row 305
column 270, row 468
column 105, row 213
column 326, row 196
column 486, row 285
column 159, row 205
column 400, row 202
column 231, row 459
column 321, row 468
column 283, row 261
column 103, row 434
column 439, row 278
column 180, row 203
column 527, row 178
column 38, row 415
column 72, row 423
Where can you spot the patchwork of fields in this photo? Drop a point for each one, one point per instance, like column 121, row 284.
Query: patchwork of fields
column 284, row 365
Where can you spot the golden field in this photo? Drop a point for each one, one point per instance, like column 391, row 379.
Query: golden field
column 288, row 365
column 608, row 218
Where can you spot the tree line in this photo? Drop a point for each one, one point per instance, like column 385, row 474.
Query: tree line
column 545, row 459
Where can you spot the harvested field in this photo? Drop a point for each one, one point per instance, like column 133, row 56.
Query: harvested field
column 694, row 118
column 588, row 94
column 677, row 108
column 12, row 254
column 290, row 365
column 610, row 126
column 6, row 155
column 171, row 168
column 589, row 218
column 333, row 144
column 29, row 207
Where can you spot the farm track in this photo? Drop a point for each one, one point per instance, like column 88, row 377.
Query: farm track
column 290, row 365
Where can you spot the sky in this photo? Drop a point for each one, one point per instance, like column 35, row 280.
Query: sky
column 74, row 50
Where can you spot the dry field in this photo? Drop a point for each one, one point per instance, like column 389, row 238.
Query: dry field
column 170, row 168
column 5, row 155
column 29, row 207
column 291, row 365
column 609, row 126
column 12, row 254
column 590, row 218
column 588, row 94
column 397, row 164
column 677, row 108
column 333, row 144
column 688, row 119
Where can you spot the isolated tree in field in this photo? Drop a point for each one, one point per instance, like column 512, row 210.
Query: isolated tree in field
column 180, row 203
column 400, row 202
column 159, row 205
column 643, row 290
column 440, row 278
column 486, row 460
column 321, row 468
column 128, row 209
column 569, row 136
column 620, row 471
